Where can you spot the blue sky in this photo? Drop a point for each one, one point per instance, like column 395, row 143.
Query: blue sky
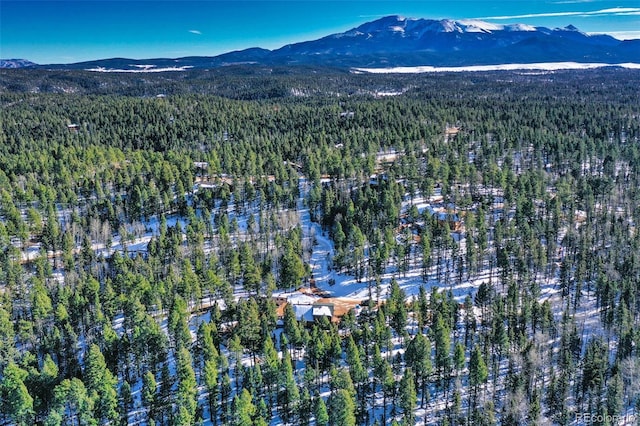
column 72, row 31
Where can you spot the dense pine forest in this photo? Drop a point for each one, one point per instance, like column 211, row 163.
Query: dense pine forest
column 258, row 246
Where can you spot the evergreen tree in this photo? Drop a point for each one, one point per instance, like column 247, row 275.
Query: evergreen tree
column 16, row 402
column 407, row 396
column 101, row 385
column 291, row 326
column 148, row 392
column 396, row 308
column 211, row 383
column 178, row 326
column 442, row 339
column 291, row 267
column 126, row 401
column 7, row 338
column 249, row 327
column 342, row 409
column 72, row 404
column 458, row 356
column 358, row 373
column 187, row 387
column 289, row 395
column 614, row 395
column 270, row 367
column 383, row 375
column 243, row 409
column 322, row 417
column 478, row 372
column 305, row 408
column 418, row 358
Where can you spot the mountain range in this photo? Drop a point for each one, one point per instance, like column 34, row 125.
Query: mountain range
column 397, row 41
column 16, row 63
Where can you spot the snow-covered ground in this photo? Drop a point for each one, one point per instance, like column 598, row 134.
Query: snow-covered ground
column 346, row 286
column 144, row 69
column 543, row 66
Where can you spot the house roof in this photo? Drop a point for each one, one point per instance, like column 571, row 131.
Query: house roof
column 296, row 298
column 304, row 312
column 322, row 310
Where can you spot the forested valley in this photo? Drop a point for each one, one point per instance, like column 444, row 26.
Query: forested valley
column 253, row 246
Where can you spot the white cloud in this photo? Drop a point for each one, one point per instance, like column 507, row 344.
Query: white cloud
column 616, row 11
column 533, row 15
column 573, row 1
column 195, row 32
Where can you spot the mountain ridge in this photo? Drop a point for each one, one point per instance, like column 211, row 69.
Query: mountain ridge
column 16, row 63
column 394, row 41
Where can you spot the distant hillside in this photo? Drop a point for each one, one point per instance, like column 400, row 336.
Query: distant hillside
column 16, row 63
column 396, row 41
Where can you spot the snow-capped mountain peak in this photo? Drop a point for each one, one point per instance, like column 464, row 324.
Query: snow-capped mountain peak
column 474, row 25
column 394, row 26
column 16, row 63
column 396, row 39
